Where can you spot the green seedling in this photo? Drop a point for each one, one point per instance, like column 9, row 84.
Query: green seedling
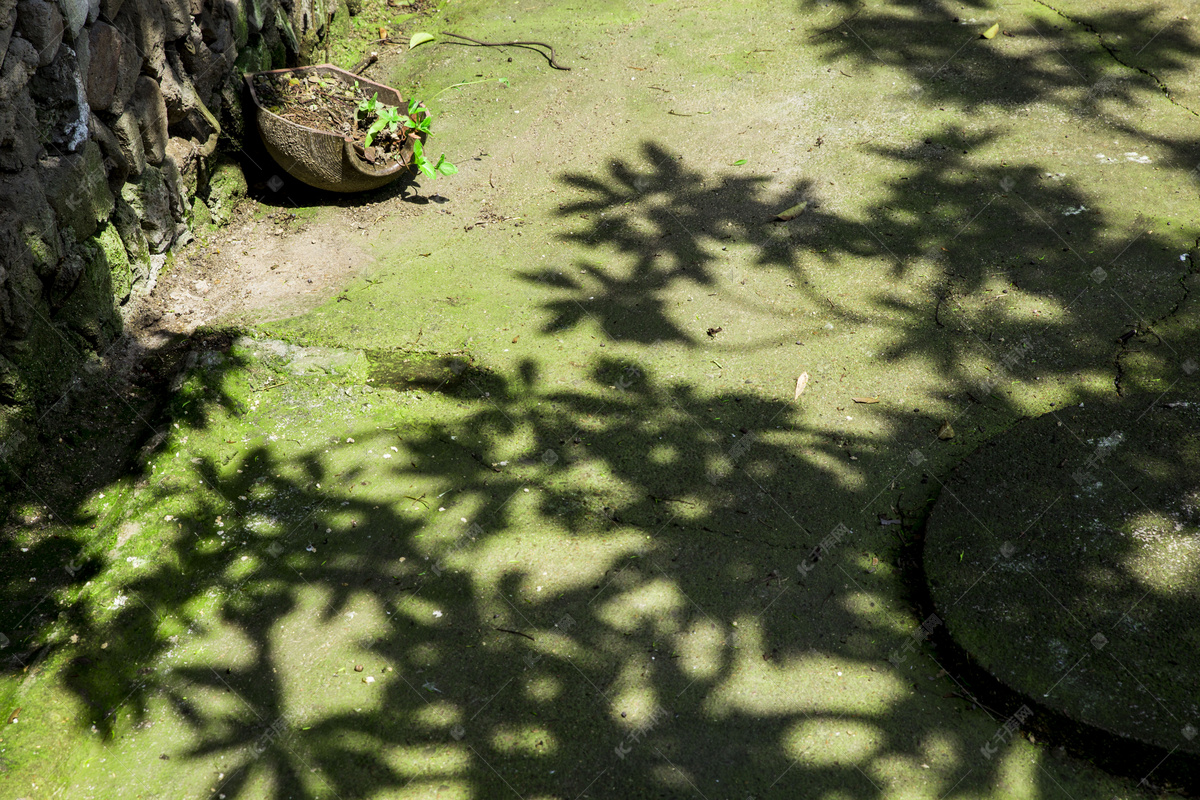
column 390, row 119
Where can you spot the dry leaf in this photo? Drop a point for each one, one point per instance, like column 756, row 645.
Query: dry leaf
column 792, row 213
column 992, row 31
column 801, row 383
column 946, row 431
column 867, row 400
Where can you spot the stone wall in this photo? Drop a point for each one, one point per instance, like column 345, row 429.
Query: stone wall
column 111, row 112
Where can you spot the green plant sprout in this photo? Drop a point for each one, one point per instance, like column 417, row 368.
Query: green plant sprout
column 389, row 118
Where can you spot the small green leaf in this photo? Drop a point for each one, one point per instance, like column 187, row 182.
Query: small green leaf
column 991, row 32
column 739, row 162
column 419, row 39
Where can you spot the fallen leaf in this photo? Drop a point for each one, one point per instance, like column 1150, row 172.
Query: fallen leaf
column 946, row 431
column 739, row 162
column 792, row 213
column 992, row 31
column 866, row 400
column 801, row 383
column 421, row 38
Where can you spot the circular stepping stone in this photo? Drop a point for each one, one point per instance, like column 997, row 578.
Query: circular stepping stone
column 1064, row 556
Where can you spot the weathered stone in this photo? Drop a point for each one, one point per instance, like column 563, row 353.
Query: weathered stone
column 129, row 139
column 184, row 156
column 8, row 20
column 82, row 45
column 207, row 69
column 226, row 186
column 114, row 155
column 148, row 27
column 70, row 270
column 105, row 44
column 129, row 228
column 110, row 8
column 75, row 13
column 241, row 16
column 129, row 65
column 187, row 114
column 93, row 11
column 87, row 310
column 116, row 261
column 15, row 318
column 35, row 243
column 19, row 146
column 62, row 107
column 216, row 32
column 177, row 15
column 176, row 200
column 18, row 68
column 151, row 203
column 151, row 111
column 77, row 189
column 287, row 32
column 41, row 24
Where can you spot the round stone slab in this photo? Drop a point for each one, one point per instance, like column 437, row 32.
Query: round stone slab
column 1064, row 556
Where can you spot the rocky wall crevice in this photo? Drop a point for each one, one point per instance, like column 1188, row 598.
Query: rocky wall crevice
column 111, row 112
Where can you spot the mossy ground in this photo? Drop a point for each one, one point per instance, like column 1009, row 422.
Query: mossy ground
column 601, row 546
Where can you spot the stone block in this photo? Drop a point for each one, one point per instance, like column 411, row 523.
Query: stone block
column 70, row 270
column 8, row 20
column 19, row 146
column 151, row 112
column 62, row 107
column 187, row 115
column 129, row 65
column 184, row 156
column 41, row 24
column 237, row 12
column 32, row 242
column 151, row 202
column 110, row 8
column 129, row 138
column 144, row 19
column 76, row 187
column 125, row 220
column 208, row 70
column 104, row 42
column 110, row 148
column 112, row 250
column 177, row 18
column 75, row 14
column 226, row 186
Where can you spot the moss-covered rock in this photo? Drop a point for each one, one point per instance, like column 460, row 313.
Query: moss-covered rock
column 109, row 247
column 226, row 187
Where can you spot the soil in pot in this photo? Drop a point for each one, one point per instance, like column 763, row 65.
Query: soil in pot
column 326, row 103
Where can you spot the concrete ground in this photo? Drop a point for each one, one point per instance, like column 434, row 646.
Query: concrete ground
column 536, row 457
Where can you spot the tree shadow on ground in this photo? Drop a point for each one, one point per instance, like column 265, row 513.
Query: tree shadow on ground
column 652, row 661
column 1043, row 57
column 575, row 624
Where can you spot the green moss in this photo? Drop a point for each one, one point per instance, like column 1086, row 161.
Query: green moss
column 110, row 248
column 226, row 187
